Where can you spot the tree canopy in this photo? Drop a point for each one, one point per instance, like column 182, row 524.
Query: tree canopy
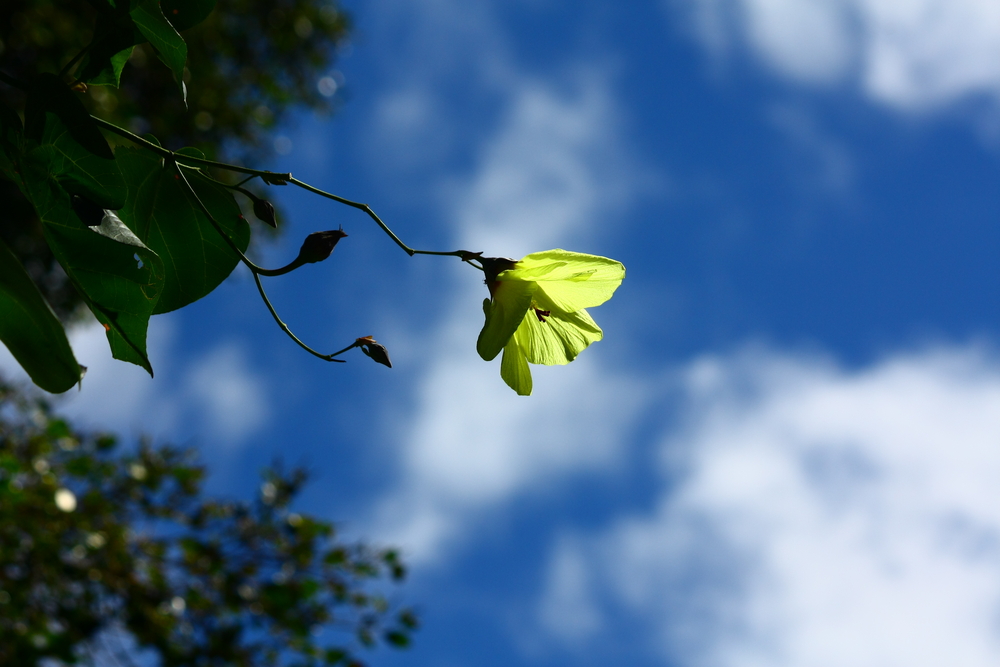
column 100, row 546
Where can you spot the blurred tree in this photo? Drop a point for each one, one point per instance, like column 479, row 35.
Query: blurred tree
column 100, row 547
column 249, row 64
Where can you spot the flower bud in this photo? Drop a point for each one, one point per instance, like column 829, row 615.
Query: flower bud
column 264, row 210
column 374, row 350
column 319, row 245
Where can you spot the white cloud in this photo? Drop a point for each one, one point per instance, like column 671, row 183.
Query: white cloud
column 816, row 516
column 909, row 54
column 567, row 609
column 231, row 396
column 217, row 393
column 113, row 394
column 438, row 46
column 552, row 168
column 474, row 444
column 804, row 39
column 545, row 178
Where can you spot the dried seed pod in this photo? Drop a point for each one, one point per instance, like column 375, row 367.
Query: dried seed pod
column 319, row 245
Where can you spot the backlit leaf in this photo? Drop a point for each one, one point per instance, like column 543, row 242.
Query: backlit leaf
column 169, row 221
column 118, row 276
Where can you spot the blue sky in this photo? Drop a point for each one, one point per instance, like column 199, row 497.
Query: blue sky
column 785, row 450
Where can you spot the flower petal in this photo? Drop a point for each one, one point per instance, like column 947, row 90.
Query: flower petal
column 504, row 313
column 570, row 280
column 514, row 368
column 558, row 339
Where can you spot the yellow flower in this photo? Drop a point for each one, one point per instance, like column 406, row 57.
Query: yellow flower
column 536, row 313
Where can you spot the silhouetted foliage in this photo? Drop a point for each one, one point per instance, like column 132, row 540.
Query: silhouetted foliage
column 249, row 63
column 100, row 546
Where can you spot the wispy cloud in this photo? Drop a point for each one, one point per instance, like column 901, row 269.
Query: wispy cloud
column 815, row 516
column 545, row 175
column 554, row 166
column 215, row 395
column 820, row 158
column 908, row 54
column 232, row 397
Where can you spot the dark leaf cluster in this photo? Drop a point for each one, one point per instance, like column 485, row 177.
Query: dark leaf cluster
column 96, row 543
column 136, row 230
column 248, row 63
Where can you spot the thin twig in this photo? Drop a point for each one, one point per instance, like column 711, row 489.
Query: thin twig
column 270, row 176
column 284, row 327
column 257, row 272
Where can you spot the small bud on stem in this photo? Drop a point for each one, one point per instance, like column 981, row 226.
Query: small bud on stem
column 374, row 350
column 264, row 210
column 319, row 245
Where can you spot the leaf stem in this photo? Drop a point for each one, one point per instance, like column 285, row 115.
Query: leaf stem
column 271, row 177
column 284, row 327
column 204, row 209
column 288, row 268
column 257, row 271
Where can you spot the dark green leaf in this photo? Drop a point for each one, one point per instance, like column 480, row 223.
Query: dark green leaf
column 48, row 93
column 119, row 277
column 165, row 216
column 104, row 65
column 184, row 14
column 116, row 35
column 77, row 170
column 169, row 45
column 31, row 331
